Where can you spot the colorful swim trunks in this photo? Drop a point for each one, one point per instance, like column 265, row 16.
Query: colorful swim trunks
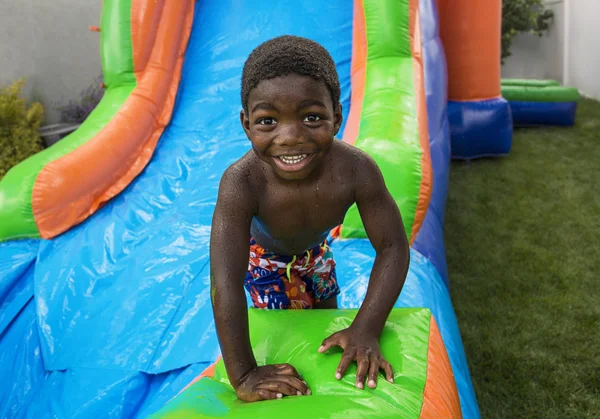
column 290, row 282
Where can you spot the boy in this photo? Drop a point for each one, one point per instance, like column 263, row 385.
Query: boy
column 287, row 193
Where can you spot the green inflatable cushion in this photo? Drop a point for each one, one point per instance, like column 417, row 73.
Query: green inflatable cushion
column 540, row 94
column 293, row 336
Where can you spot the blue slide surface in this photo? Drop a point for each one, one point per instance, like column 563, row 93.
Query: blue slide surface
column 113, row 318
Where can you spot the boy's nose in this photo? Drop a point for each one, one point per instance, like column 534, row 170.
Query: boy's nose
column 289, row 135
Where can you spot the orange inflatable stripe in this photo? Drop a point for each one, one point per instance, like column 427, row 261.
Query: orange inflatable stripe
column 336, row 232
column 71, row 188
column 426, row 187
column 440, row 396
column 471, row 34
column 146, row 15
column 208, row 372
column 358, row 70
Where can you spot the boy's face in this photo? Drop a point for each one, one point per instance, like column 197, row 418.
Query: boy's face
column 291, row 122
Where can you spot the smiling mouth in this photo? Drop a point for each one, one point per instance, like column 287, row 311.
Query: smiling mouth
column 294, row 162
column 293, row 159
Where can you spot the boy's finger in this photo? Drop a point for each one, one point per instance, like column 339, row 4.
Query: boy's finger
column 286, row 369
column 268, row 395
column 347, row 358
column 373, row 371
column 389, row 373
column 361, row 372
column 278, row 387
column 294, row 382
column 328, row 343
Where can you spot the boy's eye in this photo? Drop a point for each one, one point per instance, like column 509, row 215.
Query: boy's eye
column 266, row 121
column 312, row 118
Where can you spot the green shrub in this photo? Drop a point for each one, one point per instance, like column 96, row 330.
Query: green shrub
column 19, row 127
column 523, row 16
column 77, row 111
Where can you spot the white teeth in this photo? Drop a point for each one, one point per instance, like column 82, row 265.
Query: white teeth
column 293, row 159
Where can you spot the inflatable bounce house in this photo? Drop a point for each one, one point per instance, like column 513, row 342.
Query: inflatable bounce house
column 104, row 280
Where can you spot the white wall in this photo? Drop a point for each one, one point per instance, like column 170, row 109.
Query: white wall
column 570, row 53
column 583, row 52
column 48, row 43
column 539, row 58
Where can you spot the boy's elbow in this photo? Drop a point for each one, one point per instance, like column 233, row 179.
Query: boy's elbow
column 405, row 250
column 404, row 242
column 218, row 298
column 401, row 244
column 399, row 248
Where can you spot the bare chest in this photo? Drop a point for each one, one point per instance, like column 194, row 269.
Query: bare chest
column 298, row 211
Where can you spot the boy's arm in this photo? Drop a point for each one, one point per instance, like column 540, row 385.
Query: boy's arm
column 384, row 227
column 229, row 252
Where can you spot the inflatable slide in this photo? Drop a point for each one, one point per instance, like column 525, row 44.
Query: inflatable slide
column 104, row 282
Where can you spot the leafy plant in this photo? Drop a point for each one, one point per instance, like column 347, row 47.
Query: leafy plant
column 19, row 125
column 523, row 16
column 78, row 111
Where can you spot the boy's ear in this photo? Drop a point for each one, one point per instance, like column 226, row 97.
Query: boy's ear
column 245, row 122
column 337, row 118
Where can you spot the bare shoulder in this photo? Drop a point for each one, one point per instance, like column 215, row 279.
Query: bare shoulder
column 238, row 171
column 362, row 167
column 239, row 182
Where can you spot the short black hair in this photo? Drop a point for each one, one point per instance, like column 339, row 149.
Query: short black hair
column 286, row 55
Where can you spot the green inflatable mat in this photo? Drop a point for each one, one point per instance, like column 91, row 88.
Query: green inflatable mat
column 539, row 93
column 294, row 336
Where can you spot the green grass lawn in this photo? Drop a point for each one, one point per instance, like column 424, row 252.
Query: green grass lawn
column 523, row 243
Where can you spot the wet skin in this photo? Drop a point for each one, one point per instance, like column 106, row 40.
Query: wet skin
column 289, row 191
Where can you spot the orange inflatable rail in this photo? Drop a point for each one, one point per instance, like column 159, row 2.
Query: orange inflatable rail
column 143, row 46
column 63, row 196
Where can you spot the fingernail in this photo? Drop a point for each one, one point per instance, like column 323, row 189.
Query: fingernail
column 360, row 385
column 321, row 348
column 298, row 393
column 304, row 381
column 279, row 395
column 338, row 375
column 391, row 380
column 372, row 383
column 308, row 392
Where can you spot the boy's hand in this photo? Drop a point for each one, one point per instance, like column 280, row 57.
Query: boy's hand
column 362, row 347
column 271, row 382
